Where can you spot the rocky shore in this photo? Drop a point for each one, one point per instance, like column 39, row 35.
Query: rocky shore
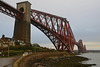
column 51, row 59
column 68, row 61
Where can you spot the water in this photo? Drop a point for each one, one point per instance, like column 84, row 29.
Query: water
column 94, row 58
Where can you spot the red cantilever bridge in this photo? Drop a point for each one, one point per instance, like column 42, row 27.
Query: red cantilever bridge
column 56, row 28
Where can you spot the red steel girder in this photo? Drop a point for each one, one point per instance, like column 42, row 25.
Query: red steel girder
column 58, row 28
column 81, row 47
column 10, row 11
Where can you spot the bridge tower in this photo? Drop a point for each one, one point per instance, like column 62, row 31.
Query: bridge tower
column 22, row 27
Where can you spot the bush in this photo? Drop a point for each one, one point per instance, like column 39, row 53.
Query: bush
column 18, row 47
column 17, row 43
column 34, row 49
column 13, row 53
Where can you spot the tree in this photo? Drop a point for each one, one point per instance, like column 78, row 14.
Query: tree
column 35, row 45
column 17, row 43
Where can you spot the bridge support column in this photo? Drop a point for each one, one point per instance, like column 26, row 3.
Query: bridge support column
column 81, row 47
column 22, row 27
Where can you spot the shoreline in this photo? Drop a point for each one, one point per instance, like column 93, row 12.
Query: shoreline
column 56, row 59
column 67, row 61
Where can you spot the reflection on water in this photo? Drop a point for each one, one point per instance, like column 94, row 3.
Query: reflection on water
column 94, row 58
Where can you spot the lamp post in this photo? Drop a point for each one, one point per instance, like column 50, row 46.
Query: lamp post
column 8, row 49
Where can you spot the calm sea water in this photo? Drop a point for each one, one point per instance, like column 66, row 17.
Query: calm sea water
column 94, row 58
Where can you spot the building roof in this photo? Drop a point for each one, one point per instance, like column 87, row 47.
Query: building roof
column 5, row 39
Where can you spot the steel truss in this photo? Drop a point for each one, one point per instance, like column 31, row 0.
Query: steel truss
column 81, row 47
column 10, row 11
column 56, row 28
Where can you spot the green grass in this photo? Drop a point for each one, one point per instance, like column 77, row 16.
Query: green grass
column 12, row 53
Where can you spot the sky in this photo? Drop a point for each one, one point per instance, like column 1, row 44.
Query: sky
column 83, row 16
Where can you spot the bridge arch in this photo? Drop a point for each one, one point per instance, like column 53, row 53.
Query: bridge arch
column 37, row 36
column 81, row 47
column 56, row 28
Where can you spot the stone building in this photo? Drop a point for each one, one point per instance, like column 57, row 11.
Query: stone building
column 5, row 42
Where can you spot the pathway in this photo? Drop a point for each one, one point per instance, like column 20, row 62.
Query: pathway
column 5, row 61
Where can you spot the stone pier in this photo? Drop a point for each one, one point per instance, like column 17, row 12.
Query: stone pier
column 22, row 27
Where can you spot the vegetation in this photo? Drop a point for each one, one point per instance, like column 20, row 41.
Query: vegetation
column 13, row 53
column 33, row 49
column 20, row 49
column 17, row 43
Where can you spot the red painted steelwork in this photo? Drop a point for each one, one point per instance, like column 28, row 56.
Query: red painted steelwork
column 81, row 47
column 57, row 29
column 10, row 11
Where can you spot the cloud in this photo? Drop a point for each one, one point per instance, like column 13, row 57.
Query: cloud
column 92, row 45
